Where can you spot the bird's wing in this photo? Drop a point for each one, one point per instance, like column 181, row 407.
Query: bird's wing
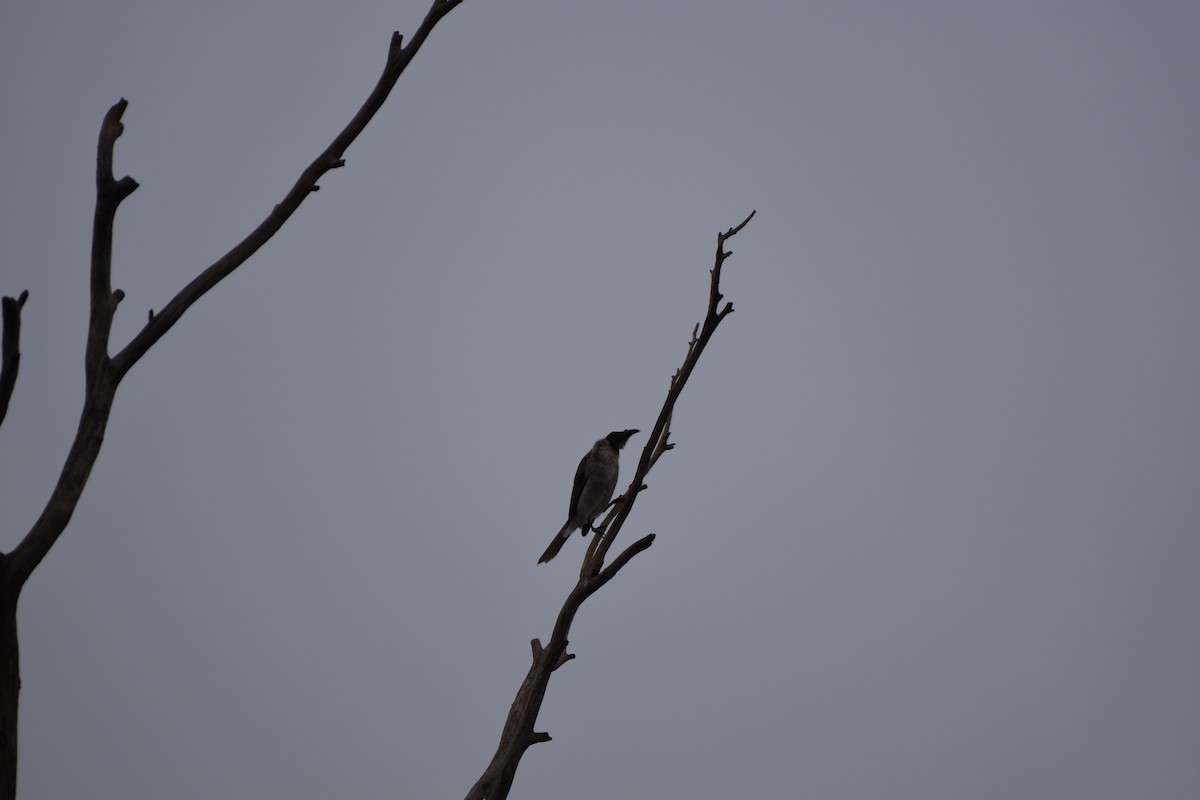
column 577, row 489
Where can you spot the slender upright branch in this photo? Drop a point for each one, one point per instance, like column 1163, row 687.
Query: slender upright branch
column 518, row 734
column 109, row 194
column 657, row 443
column 10, row 346
column 100, row 382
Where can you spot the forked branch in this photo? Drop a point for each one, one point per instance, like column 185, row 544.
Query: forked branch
column 518, row 734
column 103, row 373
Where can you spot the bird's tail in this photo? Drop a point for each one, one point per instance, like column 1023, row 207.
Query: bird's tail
column 556, row 544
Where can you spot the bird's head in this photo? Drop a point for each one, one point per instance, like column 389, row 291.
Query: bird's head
column 618, row 438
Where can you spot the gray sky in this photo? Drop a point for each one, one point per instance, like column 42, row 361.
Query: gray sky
column 931, row 529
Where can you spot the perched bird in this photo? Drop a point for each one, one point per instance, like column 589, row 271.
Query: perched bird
column 595, row 480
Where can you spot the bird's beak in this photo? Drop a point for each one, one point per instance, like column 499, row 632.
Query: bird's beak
column 618, row 438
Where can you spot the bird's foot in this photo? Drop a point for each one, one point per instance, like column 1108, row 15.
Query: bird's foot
column 613, row 502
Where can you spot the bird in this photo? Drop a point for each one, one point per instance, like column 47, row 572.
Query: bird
column 595, row 481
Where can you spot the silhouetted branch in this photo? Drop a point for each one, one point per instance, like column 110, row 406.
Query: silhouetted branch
column 664, row 443
column 611, row 570
column 656, row 443
column 104, row 374
column 398, row 59
column 518, row 733
column 601, row 531
column 10, row 345
column 100, row 382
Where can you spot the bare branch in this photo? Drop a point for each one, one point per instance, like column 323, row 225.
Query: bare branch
column 730, row 233
column 518, row 731
column 610, row 572
column 10, row 345
column 663, row 443
column 601, row 531
column 331, row 158
column 100, row 381
column 590, row 566
column 109, row 194
column 104, row 374
column 661, row 430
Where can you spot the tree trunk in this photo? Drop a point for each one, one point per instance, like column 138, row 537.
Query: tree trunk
column 10, row 686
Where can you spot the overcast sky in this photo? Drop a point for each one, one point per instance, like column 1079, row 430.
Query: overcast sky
column 932, row 528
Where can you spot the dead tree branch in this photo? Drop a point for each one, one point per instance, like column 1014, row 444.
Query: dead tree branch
column 104, row 373
column 398, row 59
column 518, row 734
